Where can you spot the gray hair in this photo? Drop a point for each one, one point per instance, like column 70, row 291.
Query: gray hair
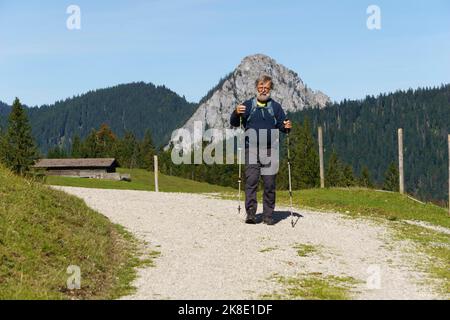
column 264, row 79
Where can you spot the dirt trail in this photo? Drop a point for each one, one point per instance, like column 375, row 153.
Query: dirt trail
column 207, row 252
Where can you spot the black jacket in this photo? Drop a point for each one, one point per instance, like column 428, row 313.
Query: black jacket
column 261, row 119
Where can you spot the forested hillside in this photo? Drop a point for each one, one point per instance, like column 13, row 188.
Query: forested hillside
column 364, row 133
column 4, row 111
column 133, row 107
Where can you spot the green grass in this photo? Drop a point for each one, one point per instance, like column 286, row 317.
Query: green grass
column 435, row 245
column 305, row 250
column 141, row 180
column 43, row 231
column 366, row 202
column 313, row 286
column 268, row 249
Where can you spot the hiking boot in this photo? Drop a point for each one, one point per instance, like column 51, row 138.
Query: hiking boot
column 251, row 218
column 269, row 221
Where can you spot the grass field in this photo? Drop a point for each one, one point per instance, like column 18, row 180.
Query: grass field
column 312, row 287
column 367, row 202
column 140, row 180
column 44, row 231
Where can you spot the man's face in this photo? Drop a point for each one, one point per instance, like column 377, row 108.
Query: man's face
column 264, row 89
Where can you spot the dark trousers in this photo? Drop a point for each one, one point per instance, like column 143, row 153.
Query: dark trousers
column 252, row 175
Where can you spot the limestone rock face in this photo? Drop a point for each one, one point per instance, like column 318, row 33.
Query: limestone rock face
column 289, row 90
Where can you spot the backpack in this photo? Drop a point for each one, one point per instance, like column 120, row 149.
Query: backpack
column 268, row 107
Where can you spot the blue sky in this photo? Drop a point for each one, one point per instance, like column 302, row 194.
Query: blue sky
column 188, row 45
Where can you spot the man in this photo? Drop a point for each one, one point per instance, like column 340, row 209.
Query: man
column 260, row 113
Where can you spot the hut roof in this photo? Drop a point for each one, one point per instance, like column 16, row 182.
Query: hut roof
column 76, row 163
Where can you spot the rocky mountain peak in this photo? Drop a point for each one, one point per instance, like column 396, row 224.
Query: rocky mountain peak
column 238, row 86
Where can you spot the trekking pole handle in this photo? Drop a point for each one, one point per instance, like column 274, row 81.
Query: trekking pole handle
column 287, row 130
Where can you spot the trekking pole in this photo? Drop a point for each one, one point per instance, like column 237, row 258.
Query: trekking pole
column 289, row 174
column 240, row 167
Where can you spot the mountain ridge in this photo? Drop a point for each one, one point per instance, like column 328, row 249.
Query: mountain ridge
column 289, row 90
column 135, row 107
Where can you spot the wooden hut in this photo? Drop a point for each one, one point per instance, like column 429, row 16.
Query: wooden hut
column 100, row 168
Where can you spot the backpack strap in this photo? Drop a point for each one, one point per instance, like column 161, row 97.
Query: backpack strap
column 252, row 110
column 255, row 107
column 271, row 112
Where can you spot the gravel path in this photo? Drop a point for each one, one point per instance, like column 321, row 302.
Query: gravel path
column 207, row 252
column 429, row 226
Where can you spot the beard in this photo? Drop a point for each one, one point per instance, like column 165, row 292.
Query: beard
column 263, row 97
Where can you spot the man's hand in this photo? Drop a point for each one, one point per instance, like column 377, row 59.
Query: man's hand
column 287, row 124
column 240, row 109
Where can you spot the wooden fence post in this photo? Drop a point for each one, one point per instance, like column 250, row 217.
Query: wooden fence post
column 155, row 158
column 322, row 174
column 400, row 161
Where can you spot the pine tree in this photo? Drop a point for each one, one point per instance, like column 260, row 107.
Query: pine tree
column 146, row 152
column 307, row 158
column 103, row 143
column 349, row 178
column 304, row 159
column 106, row 141
column 365, row 179
column 165, row 164
column 2, row 144
column 56, row 153
column 391, row 180
column 127, row 152
column 90, row 147
column 334, row 176
column 19, row 150
column 76, row 151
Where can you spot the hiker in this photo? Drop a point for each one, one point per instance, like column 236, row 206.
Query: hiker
column 259, row 113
